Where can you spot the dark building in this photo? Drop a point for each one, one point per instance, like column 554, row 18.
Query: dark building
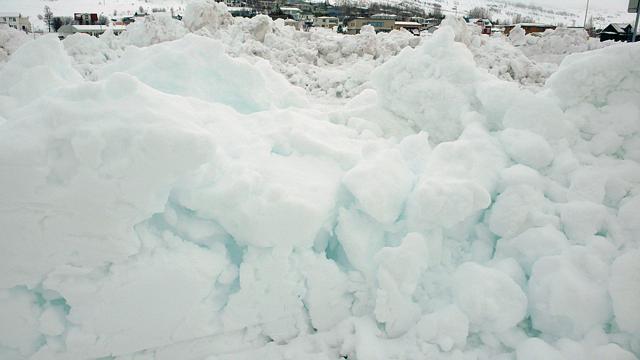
column 85, row 19
column 529, row 28
column 617, row 32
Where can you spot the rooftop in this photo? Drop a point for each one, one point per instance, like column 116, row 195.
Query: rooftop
column 533, row 24
column 407, row 23
column 98, row 27
column 620, row 27
column 9, row 14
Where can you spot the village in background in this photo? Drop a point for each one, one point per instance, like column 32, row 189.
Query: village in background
column 343, row 17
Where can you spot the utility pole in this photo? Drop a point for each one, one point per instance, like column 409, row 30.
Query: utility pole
column 634, row 5
column 635, row 27
column 586, row 13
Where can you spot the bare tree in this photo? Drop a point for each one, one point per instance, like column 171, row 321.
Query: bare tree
column 437, row 11
column 58, row 21
column 480, row 13
column 47, row 17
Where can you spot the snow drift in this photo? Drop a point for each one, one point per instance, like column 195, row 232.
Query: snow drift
column 184, row 200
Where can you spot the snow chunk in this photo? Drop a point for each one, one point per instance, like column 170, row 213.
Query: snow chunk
column 207, row 14
column 532, row 244
column 527, row 148
column 271, row 200
column 517, row 35
column 628, row 213
column 560, row 282
column 457, row 181
column 398, row 272
column 447, row 327
column 380, row 183
column 19, row 312
column 10, row 40
column 582, row 219
column 153, row 29
column 537, row 349
column 270, row 296
column 35, row 69
column 361, row 238
column 444, row 202
column 598, row 77
column 327, row 291
column 612, row 351
column 432, row 86
column 208, row 74
column 490, row 298
column 625, row 291
column 517, row 209
column 52, row 321
column 179, row 277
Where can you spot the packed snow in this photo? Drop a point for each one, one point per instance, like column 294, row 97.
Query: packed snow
column 227, row 188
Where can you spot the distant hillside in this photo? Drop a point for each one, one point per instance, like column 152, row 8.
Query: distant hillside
column 503, row 10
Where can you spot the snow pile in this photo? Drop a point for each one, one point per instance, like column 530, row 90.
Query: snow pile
column 153, row 29
column 245, row 87
column 527, row 59
column 206, row 14
column 552, row 46
column 89, row 53
column 10, row 40
column 190, row 201
column 320, row 61
column 498, row 56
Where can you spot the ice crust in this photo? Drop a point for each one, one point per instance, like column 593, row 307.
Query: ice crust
column 202, row 190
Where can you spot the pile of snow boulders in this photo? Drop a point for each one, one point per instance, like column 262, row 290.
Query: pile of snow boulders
column 182, row 199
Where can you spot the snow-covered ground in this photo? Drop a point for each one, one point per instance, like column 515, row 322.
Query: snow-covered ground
column 225, row 188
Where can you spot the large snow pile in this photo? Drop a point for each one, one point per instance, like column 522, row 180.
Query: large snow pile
column 527, row 59
column 10, row 40
column 184, row 201
column 552, row 46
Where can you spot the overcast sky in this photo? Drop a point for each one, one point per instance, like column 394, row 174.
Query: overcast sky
column 577, row 4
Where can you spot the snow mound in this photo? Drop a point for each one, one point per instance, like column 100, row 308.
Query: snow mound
column 245, row 87
column 153, row 29
column 10, row 40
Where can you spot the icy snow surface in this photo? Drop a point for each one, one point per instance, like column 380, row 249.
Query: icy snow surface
column 226, row 188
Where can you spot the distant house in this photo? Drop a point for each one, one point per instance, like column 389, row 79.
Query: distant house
column 293, row 12
column 125, row 20
column 242, row 11
column 379, row 25
column 617, row 32
column 529, row 28
column 15, row 20
column 308, row 18
column 85, row 19
column 327, row 22
column 383, row 16
column 484, row 24
column 292, row 22
column 93, row 30
column 411, row 26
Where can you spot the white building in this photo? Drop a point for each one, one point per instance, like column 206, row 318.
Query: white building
column 327, row 22
column 295, row 13
column 15, row 20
